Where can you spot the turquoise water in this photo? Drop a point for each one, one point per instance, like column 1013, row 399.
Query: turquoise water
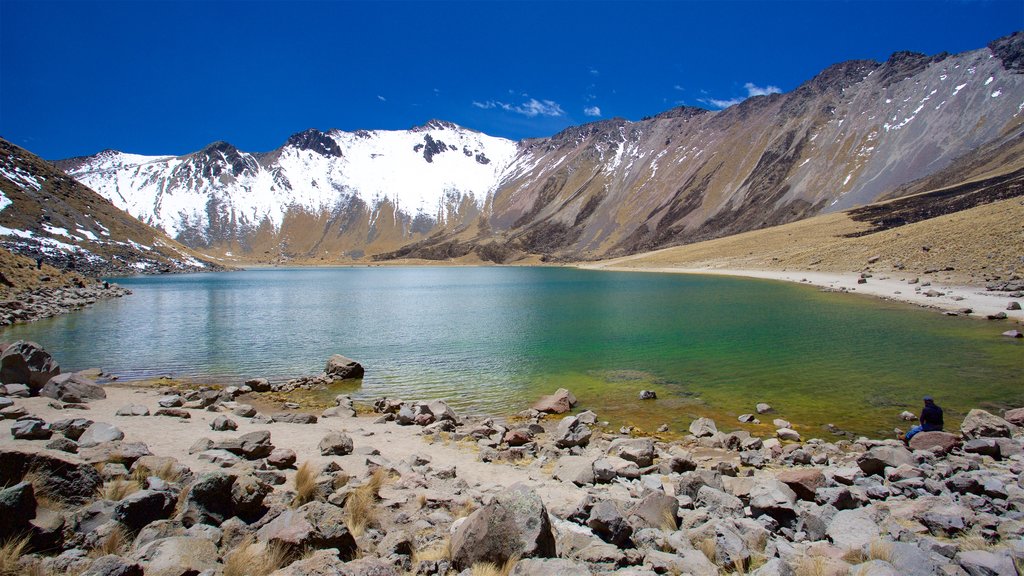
column 492, row 339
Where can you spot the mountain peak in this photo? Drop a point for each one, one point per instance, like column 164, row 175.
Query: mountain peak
column 435, row 124
column 316, row 141
column 1010, row 50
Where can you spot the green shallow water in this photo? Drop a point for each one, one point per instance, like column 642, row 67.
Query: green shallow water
column 491, row 340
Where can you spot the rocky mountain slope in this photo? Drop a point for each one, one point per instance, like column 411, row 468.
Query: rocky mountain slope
column 857, row 132
column 46, row 215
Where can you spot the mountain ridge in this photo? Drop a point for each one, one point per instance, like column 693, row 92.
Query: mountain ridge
column 854, row 133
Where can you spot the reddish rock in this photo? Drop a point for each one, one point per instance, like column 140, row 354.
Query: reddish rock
column 517, row 437
column 1015, row 416
column 558, row 403
column 938, row 442
column 803, row 481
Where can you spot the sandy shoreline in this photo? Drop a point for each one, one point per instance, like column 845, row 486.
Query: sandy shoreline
column 881, row 285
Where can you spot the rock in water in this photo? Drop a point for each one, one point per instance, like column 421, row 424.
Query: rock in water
column 342, row 368
column 558, row 403
column 515, row 524
column 27, row 363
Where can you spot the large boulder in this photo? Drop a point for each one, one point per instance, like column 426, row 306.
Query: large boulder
column 25, row 362
column 1015, row 416
column 57, row 474
column 515, row 524
column 878, row 458
column 656, row 510
column 144, row 507
column 99, row 433
column 571, row 432
column 773, row 498
column 315, row 525
column 17, row 507
column 803, row 481
column 209, row 500
column 27, row 428
column 608, row 523
column 342, row 368
column 336, row 444
column 637, row 450
column 982, row 424
column 251, row 446
column 558, row 403
column 852, row 529
column 702, row 427
column 937, row 442
column 576, row 469
column 177, row 556
column 72, row 388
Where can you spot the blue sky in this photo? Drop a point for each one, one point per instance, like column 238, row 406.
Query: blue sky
column 155, row 77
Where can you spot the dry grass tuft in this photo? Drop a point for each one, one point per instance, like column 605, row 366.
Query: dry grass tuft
column 117, row 542
column 421, row 500
column 10, row 552
column 668, row 521
column 816, row 566
column 361, row 504
column 166, row 471
column 251, row 559
column 973, row 540
column 436, row 551
column 305, row 484
column 465, row 509
column 489, row 569
column 117, row 490
column 707, row 546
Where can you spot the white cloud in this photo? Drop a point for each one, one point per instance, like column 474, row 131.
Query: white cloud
column 531, row 108
column 592, row 111
column 752, row 90
column 381, row 98
column 679, row 88
column 595, row 72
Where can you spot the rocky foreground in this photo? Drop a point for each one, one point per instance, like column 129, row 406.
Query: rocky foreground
column 114, row 480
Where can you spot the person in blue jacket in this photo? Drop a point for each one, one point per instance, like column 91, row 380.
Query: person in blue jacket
column 931, row 420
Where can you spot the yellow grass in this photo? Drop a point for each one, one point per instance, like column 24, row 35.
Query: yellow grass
column 707, row 546
column 166, row 471
column 10, row 552
column 251, row 559
column 305, row 484
column 361, row 504
column 436, row 551
column 668, row 521
column 489, row 569
column 465, row 509
column 117, row 490
column 816, row 566
column 116, row 542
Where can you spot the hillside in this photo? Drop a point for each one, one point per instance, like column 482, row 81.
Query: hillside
column 858, row 132
column 46, row 215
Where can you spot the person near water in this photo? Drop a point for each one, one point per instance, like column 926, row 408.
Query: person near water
column 930, row 420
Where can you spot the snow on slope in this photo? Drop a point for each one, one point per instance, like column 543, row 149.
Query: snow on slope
column 409, row 168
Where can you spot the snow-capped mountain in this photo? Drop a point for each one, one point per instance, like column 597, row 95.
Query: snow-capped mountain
column 857, row 132
column 420, row 178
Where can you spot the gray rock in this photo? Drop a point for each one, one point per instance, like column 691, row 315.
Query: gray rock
column 335, row 444
column 875, row 568
column 576, row 469
column 773, row 498
column 65, row 478
column 637, row 450
column 223, row 423
column 281, row 458
column 718, row 503
column 605, row 472
column 515, row 524
column 730, row 550
column 608, row 523
column 549, row 567
column 63, row 444
column 773, row 567
column 655, row 510
column 763, row 408
column 133, row 410
column 112, row 565
column 985, row 563
column 814, row 520
column 72, row 388
column 981, row 424
column 878, row 458
column 703, row 427
column 571, row 432
column 31, row 429
column 170, row 401
column 71, row 428
column 209, row 500
column 294, row 418
column 247, row 496
column 244, row 411
column 945, row 520
column 173, row 413
column 983, row 446
column 251, row 446
column 788, row 434
column 144, row 507
column 221, row 458
column 342, row 368
column 25, row 362
column 315, row 525
column 100, row 433
column 852, row 529
column 177, row 556
column 17, row 507
column 558, row 403
column 17, row 390
column 648, row 395
column 12, row 412
column 936, row 441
